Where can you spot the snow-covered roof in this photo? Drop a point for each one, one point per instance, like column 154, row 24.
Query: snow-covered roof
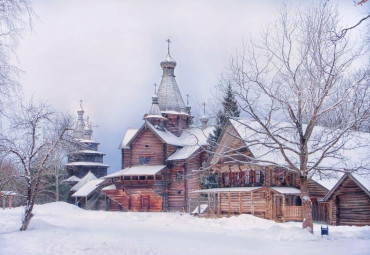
column 362, row 181
column 87, row 141
column 88, row 188
column 138, row 170
column 165, row 135
column 183, row 153
column 128, row 136
column 230, row 190
column 354, row 154
column 110, row 187
column 287, row 190
column 73, row 178
column 195, row 136
column 88, row 152
column 84, row 163
column 88, row 177
column 8, row 193
column 329, row 181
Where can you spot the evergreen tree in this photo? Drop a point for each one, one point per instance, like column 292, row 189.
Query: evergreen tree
column 229, row 109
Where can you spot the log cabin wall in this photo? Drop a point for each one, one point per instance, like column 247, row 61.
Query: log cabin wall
column 243, row 202
column 176, row 187
column 147, row 144
column 176, row 123
column 192, row 176
column 125, row 158
column 350, row 205
column 316, row 190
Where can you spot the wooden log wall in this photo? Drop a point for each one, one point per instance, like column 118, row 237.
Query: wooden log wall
column 316, row 190
column 192, row 178
column 350, row 205
column 176, row 188
column 243, row 202
column 134, row 199
column 147, row 144
column 125, row 158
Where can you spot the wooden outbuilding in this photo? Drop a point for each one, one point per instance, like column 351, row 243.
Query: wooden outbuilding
column 349, row 201
column 7, row 196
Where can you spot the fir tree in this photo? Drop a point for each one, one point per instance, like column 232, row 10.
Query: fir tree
column 229, row 109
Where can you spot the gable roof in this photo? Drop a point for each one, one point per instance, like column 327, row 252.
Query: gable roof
column 184, row 152
column 130, row 132
column 354, row 154
column 88, row 188
column 137, row 170
column 88, row 177
column 362, row 182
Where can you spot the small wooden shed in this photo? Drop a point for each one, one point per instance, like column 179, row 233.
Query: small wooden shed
column 349, row 201
column 7, row 195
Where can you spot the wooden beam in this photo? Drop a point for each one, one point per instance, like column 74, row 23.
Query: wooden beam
column 283, row 209
column 209, row 204
column 219, row 204
column 240, row 203
column 10, row 198
column 252, row 199
column 229, row 209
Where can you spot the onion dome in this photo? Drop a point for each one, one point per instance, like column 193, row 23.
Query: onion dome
column 169, row 96
column 168, row 62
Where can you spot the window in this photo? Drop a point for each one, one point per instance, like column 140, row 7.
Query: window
column 179, row 192
column 226, row 179
column 150, row 177
column 247, row 177
column 252, row 176
column 142, row 178
column 127, row 178
column 231, row 178
column 144, row 160
column 179, row 175
column 135, row 178
column 258, row 176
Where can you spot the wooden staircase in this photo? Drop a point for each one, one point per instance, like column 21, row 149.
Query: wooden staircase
column 119, row 200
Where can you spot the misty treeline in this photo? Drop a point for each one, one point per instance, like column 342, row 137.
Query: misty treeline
column 34, row 137
column 303, row 87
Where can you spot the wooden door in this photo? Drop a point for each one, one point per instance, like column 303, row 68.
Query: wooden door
column 279, row 206
column 145, row 203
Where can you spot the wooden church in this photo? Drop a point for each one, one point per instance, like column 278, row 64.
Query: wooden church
column 161, row 159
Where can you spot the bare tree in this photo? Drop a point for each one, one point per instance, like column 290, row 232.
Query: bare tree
column 35, row 133
column 293, row 79
column 15, row 18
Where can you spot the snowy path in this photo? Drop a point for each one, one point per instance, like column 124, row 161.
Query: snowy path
column 60, row 228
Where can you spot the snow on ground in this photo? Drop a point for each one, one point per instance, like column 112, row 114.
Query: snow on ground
column 60, row 228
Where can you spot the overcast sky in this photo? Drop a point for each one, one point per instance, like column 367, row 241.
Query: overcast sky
column 107, row 53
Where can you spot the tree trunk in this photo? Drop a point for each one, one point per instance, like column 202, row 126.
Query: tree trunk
column 27, row 215
column 306, row 206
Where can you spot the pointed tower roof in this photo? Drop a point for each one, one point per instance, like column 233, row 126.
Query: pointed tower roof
column 169, row 96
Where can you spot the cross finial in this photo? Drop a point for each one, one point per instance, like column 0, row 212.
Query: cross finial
column 81, row 103
column 204, row 108
column 168, row 46
column 155, row 88
column 187, row 99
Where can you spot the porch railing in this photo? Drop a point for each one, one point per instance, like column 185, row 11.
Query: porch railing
column 293, row 213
